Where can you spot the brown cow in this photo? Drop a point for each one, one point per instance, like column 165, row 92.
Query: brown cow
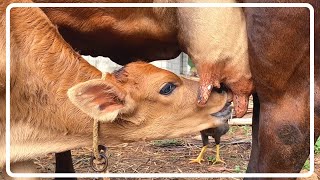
column 139, row 99
column 215, row 39
column 211, row 43
column 279, row 47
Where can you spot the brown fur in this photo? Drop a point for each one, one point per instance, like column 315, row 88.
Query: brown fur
column 282, row 78
column 215, row 39
column 280, row 65
column 149, row 33
column 43, row 120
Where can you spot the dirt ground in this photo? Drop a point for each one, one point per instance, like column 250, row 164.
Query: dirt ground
column 170, row 156
column 167, row 156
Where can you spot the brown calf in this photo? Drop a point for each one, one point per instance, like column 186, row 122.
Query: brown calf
column 140, row 99
column 279, row 50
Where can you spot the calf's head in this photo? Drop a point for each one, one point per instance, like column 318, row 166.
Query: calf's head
column 143, row 102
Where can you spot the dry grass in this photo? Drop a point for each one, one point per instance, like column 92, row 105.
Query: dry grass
column 169, row 156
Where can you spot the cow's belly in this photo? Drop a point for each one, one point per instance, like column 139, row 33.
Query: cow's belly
column 122, row 49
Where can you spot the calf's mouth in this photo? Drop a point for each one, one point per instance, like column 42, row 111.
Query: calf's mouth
column 225, row 113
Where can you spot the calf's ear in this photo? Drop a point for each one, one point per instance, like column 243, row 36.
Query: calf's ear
column 100, row 99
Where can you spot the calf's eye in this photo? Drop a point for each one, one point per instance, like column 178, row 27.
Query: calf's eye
column 167, row 88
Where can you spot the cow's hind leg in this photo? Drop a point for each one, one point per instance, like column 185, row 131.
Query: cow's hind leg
column 281, row 143
column 280, row 64
column 280, row 137
column 284, row 136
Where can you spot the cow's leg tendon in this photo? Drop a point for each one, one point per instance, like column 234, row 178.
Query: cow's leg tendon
column 253, row 163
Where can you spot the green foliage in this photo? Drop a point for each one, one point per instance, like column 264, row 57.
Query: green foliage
column 307, row 165
column 317, row 146
column 211, row 158
column 247, row 129
column 190, row 63
column 174, row 158
column 237, row 169
column 168, row 143
column 232, row 129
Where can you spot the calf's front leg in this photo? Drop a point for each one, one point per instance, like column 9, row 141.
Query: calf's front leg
column 64, row 163
column 20, row 167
